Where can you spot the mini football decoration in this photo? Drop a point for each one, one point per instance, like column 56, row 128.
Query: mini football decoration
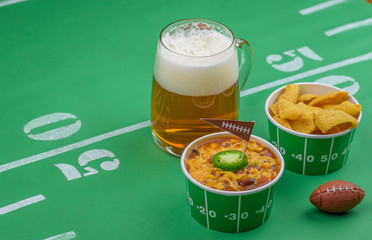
column 337, row 196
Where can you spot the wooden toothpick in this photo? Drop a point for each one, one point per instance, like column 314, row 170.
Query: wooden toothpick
column 245, row 148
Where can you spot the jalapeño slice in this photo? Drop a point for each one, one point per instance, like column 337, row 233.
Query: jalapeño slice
column 230, row 160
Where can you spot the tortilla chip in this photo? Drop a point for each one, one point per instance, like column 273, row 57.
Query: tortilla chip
column 306, row 110
column 307, row 97
column 346, row 106
column 288, row 110
column 329, row 98
column 304, row 125
column 283, row 122
column 291, row 93
column 327, row 119
column 274, row 108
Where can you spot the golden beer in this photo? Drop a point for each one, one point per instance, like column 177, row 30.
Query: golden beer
column 176, row 120
column 196, row 75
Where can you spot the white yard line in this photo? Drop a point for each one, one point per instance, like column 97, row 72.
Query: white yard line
column 330, row 155
column 348, row 147
column 320, row 6
column 277, row 138
column 267, row 201
column 6, row 3
column 304, row 163
column 348, row 27
column 188, row 194
column 63, row 236
column 238, row 220
column 20, row 204
column 206, row 208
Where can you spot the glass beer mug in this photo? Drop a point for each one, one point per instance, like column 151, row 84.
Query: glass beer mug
column 196, row 75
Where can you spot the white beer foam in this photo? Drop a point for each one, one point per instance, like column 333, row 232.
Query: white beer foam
column 200, row 63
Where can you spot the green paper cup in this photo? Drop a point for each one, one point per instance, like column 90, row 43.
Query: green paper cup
column 229, row 211
column 310, row 154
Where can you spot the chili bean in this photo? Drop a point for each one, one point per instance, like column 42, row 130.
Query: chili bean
column 195, row 151
column 246, row 182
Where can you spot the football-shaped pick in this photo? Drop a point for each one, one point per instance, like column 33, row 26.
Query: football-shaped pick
column 337, row 196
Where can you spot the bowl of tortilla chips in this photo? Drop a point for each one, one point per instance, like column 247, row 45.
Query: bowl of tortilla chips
column 312, row 125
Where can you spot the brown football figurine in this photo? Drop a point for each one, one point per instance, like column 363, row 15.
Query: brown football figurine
column 337, row 196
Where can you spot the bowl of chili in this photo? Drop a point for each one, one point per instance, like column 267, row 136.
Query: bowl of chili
column 227, row 190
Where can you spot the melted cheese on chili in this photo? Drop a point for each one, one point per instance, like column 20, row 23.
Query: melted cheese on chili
column 263, row 165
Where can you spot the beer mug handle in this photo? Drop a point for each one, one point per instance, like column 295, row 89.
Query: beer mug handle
column 246, row 59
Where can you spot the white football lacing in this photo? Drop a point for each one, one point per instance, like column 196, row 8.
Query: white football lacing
column 235, row 127
column 340, row 188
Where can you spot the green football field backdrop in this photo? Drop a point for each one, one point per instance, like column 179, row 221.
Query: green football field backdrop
column 77, row 159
